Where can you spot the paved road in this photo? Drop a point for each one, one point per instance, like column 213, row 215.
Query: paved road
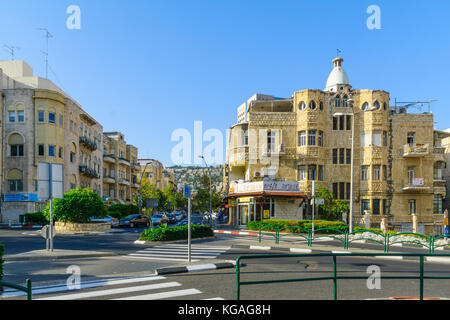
column 204, row 285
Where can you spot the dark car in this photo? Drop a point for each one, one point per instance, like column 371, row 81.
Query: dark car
column 172, row 218
column 134, row 220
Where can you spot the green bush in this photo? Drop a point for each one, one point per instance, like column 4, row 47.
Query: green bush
column 306, row 224
column 78, row 206
column 115, row 214
column 124, row 210
column 37, row 218
column 2, row 249
column 175, row 233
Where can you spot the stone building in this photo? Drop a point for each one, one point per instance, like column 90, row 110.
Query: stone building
column 307, row 139
column 121, row 169
column 42, row 125
column 156, row 174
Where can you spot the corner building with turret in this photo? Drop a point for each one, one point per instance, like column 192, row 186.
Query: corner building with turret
column 398, row 158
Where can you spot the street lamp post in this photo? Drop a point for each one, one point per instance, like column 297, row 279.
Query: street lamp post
column 352, row 114
column 210, row 191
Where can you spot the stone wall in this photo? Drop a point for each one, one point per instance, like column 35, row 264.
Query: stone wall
column 67, row 227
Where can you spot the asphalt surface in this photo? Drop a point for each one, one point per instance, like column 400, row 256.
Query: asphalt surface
column 140, row 262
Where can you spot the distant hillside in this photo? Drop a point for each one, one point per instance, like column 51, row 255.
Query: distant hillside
column 192, row 175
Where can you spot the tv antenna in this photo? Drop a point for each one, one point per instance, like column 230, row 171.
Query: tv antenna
column 48, row 35
column 11, row 50
column 415, row 104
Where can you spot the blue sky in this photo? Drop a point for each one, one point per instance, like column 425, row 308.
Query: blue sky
column 147, row 68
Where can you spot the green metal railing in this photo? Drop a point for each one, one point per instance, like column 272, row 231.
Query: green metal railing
column 335, row 277
column 27, row 289
column 386, row 240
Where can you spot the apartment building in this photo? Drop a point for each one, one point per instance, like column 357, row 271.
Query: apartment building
column 279, row 148
column 120, row 169
column 156, row 174
column 43, row 125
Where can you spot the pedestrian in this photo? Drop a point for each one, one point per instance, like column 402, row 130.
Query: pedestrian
column 446, row 227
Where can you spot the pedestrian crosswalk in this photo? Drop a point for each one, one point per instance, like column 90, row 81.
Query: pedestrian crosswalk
column 150, row 287
column 175, row 252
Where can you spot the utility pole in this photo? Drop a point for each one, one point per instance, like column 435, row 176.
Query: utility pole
column 210, row 192
column 48, row 35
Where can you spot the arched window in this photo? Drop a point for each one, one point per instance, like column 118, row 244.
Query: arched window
column 376, row 105
column 16, row 142
column 345, row 101
column 385, row 106
column 338, row 101
column 312, row 105
column 302, row 106
column 321, row 105
column 15, row 180
column 365, row 106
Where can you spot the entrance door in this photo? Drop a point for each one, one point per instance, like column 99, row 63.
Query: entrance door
column 243, row 214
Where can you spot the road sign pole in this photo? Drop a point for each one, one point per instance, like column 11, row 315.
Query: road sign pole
column 314, row 207
column 189, row 229
column 51, row 206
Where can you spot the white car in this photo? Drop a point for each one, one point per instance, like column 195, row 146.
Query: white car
column 113, row 221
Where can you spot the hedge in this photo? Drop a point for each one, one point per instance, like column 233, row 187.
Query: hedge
column 124, row 210
column 37, row 218
column 2, row 249
column 176, row 233
column 307, row 224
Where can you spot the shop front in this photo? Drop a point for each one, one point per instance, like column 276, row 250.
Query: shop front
column 256, row 201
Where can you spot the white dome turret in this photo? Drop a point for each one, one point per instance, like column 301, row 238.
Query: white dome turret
column 337, row 76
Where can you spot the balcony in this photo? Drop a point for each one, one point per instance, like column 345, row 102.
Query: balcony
column 415, row 185
column 109, row 158
column 88, row 172
column 124, row 182
column 439, row 154
column 124, row 162
column 88, row 143
column 110, row 180
column 415, row 151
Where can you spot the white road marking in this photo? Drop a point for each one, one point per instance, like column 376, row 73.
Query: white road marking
column 164, row 295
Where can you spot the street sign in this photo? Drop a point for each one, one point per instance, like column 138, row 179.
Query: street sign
column 320, row 201
column 45, row 232
column 187, row 191
column 151, row 203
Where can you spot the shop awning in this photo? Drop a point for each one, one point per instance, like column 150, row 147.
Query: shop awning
column 262, row 194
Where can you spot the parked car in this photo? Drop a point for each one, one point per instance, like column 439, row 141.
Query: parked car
column 159, row 218
column 172, row 218
column 135, row 220
column 179, row 215
column 113, row 221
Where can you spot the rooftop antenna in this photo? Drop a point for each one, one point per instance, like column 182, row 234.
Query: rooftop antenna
column 11, row 50
column 338, row 52
column 47, row 35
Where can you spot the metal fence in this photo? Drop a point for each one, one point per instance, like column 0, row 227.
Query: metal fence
column 334, row 277
column 27, row 289
column 386, row 240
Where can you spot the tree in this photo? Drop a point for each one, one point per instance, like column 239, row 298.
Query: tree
column 333, row 208
column 202, row 198
column 78, row 206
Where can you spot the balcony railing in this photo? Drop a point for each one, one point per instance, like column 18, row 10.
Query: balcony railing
column 124, row 161
column 88, row 172
column 417, row 184
column 124, row 182
column 109, row 179
column 88, row 143
column 415, row 150
column 109, row 158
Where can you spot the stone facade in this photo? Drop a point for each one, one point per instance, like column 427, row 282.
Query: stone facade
column 308, row 137
column 120, row 169
column 42, row 124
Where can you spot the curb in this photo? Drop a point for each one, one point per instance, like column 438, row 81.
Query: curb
column 43, row 258
column 243, row 233
column 195, row 268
